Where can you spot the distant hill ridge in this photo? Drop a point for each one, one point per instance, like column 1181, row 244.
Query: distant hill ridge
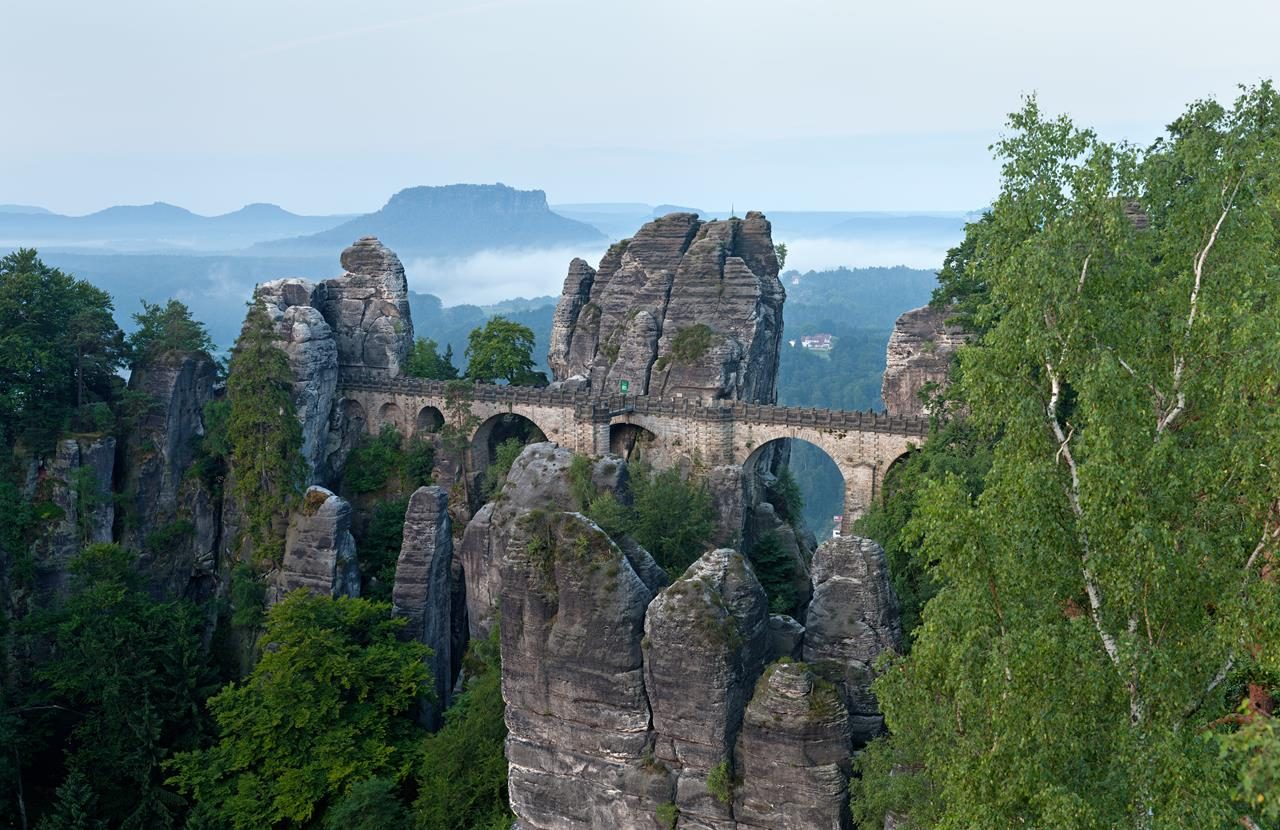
column 451, row 220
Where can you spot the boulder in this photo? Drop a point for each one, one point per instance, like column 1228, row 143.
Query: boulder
column 319, row 550
column 573, row 611
column 852, row 619
column 919, row 353
column 539, row 479
column 685, row 307
column 368, row 308
column 172, row 517
column 706, row 640
column 423, row 591
column 793, row 754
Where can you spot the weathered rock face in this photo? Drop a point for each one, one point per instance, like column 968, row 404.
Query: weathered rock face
column 539, row 479
column 368, row 308
column 573, row 611
column 423, row 590
column 919, row 353
column 683, row 308
column 852, row 619
column 78, row 481
column 793, row 754
column 308, row 340
column 706, row 640
column 319, row 552
column 173, row 520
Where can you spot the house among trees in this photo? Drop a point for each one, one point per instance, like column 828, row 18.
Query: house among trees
column 817, row 342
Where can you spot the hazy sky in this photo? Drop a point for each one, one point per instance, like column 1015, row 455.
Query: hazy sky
column 328, row 106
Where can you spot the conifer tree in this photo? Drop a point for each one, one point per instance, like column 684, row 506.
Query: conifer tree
column 264, row 433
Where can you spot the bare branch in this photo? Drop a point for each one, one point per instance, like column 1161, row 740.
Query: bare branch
column 1073, row 496
column 1197, row 267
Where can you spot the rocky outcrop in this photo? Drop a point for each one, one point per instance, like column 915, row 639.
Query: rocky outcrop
column 793, row 754
column 172, row 519
column 423, row 591
column 852, row 619
column 368, row 308
column 573, row 612
column 685, row 307
column 919, row 354
column 539, row 479
column 319, row 551
column 706, row 641
column 306, row 337
column 76, row 481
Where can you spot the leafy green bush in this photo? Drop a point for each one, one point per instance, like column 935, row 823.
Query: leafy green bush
column 720, row 782
column 688, row 346
column 671, row 518
column 785, row 496
column 379, row 549
column 248, row 597
column 507, row 453
column 419, row 463
column 668, row 815
column 776, row 571
column 373, row 462
column 462, row 776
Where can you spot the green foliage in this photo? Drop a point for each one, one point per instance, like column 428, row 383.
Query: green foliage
column 1109, row 572
column 264, row 434
column 248, row 597
column 164, row 539
column 462, row 775
column 776, row 570
column 671, row 518
column 419, row 463
column 496, row 473
column 125, row 681
column 720, row 782
column 166, row 328
column 780, row 251
column 688, row 345
column 668, row 815
column 379, row 549
column 785, row 496
column 374, row 461
column 425, row 361
column 76, row 807
column 581, row 488
column 59, row 349
column 213, row 447
column 1254, row 749
column 327, row 706
column 372, row 804
column 502, row 350
column 954, row 448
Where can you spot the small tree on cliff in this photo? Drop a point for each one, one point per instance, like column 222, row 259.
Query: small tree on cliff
column 165, row 328
column 502, row 350
column 264, row 433
column 426, row 361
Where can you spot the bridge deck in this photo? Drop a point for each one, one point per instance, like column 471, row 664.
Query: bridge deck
column 604, row 406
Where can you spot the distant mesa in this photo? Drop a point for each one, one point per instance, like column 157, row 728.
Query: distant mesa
column 23, row 209
column 663, row 210
column 453, row 220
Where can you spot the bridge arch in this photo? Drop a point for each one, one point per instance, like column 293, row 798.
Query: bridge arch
column 631, row 441
column 428, row 419
column 391, row 413
column 498, row 429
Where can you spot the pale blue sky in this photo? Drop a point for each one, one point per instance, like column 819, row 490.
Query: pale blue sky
column 326, row 106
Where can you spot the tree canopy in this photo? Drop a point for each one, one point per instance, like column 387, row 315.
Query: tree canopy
column 502, row 350
column 60, row 348
column 1104, row 602
column 426, row 361
column 166, row 328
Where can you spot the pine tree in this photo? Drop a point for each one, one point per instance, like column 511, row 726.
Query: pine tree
column 264, row 433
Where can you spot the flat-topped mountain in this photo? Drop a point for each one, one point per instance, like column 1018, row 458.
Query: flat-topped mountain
column 452, row 220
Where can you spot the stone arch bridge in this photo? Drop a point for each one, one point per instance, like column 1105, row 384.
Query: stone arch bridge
column 863, row 445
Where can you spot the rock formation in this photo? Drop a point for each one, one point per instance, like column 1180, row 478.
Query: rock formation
column 77, row 481
column 173, row 519
column 793, row 754
column 539, row 479
column 685, row 307
column 422, row 590
column 919, row 353
column 368, row 308
column 706, row 641
column 573, row 612
column 319, row 551
column 852, row 619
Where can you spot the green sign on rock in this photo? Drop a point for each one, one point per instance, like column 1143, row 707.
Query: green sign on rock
column 623, row 386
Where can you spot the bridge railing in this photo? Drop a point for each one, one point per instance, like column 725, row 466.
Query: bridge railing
column 603, row 406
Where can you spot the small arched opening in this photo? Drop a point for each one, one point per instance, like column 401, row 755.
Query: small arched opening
column 429, row 419
column 631, row 441
column 496, row 445
column 390, row 413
